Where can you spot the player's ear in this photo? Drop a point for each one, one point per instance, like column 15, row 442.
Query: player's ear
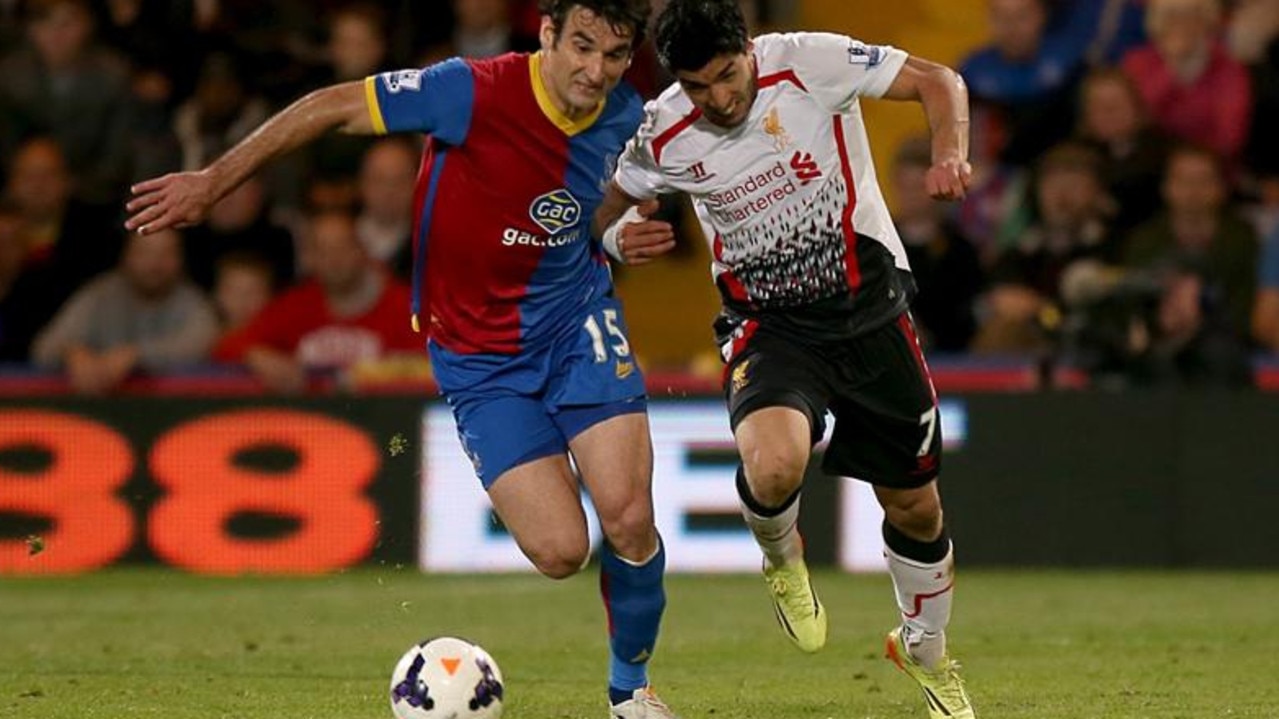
column 547, row 32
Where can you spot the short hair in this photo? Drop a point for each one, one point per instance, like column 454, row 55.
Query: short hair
column 38, row 10
column 625, row 16
column 371, row 13
column 1157, row 12
column 248, row 260
column 1197, row 150
column 1069, row 156
column 691, row 33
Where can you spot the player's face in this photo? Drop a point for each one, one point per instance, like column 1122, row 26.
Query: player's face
column 584, row 60
column 723, row 89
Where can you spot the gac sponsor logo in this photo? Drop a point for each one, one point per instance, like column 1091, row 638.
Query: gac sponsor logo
column 402, row 80
column 555, row 211
column 512, row 237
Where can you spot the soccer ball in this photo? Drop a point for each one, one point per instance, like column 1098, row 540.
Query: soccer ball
column 446, row 678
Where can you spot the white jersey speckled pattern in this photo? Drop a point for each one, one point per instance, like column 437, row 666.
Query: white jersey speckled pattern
column 782, row 196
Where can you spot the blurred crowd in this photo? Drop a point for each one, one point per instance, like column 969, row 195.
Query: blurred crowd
column 1124, row 217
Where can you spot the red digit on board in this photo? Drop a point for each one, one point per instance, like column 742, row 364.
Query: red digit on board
column 204, row 489
column 91, row 527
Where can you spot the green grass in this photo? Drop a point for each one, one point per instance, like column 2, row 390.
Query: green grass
column 154, row 643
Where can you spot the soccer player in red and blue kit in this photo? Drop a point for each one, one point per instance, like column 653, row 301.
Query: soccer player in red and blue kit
column 526, row 337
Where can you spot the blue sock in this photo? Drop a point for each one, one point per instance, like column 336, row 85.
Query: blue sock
column 634, row 599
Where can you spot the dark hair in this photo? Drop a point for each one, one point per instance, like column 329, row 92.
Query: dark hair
column 691, row 33
column 250, row 260
column 370, row 12
column 1069, row 156
column 625, row 16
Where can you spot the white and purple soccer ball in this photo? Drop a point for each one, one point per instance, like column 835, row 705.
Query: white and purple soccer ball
column 446, row 678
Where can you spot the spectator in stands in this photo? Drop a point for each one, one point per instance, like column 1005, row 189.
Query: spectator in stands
column 357, row 45
column 1199, row 229
column 1251, row 29
column 66, row 242
column 143, row 315
column 1099, row 31
column 1187, row 340
column 61, row 84
column 482, row 28
column 243, row 285
column 15, row 332
column 1265, row 313
column 164, row 50
column 1192, row 87
column 239, row 222
column 386, row 185
column 1021, row 85
column 330, row 193
column 282, row 40
column 944, row 263
column 1262, row 154
column 10, row 22
column 1113, row 119
column 350, row 311
column 1070, row 210
column 356, row 49
column 160, row 40
column 222, row 112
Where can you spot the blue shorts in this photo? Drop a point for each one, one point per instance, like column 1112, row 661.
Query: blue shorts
column 513, row 409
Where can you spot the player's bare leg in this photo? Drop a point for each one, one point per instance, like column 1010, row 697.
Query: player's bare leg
column 922, row 566
column 615, row 458
column 774, row 443
column 540, row 504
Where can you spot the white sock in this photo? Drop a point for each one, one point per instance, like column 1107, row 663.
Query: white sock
column 778, row 536
column 924, row 594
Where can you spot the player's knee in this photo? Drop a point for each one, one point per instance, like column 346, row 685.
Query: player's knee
column 775, row 473
column 560, row 560
column 631, row 533
column 917, row 513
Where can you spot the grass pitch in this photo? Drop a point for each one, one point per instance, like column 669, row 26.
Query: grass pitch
column 155, row 643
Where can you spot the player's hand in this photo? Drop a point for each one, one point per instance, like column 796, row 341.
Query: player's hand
column 180, row 199
column 641, row 242
column 949, row 179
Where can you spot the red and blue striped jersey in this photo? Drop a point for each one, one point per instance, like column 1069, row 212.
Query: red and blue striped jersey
column 503, row 255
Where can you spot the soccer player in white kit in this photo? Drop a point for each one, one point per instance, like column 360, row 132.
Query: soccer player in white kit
column 766, row 136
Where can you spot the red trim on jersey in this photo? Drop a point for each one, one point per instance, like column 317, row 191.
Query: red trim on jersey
column 851, row 266
column 736, row 289
column 663, row 139
column 781, row 76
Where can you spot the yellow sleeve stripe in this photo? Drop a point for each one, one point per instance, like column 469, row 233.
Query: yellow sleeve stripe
column 375, row 110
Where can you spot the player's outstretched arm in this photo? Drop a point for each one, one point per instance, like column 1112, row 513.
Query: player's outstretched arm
column 183, row 198
column 945, row 99
column 628, row 235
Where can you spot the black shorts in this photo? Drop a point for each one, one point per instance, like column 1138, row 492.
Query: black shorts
column 887, row 429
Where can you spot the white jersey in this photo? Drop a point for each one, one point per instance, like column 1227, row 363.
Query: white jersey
column 788, row 200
